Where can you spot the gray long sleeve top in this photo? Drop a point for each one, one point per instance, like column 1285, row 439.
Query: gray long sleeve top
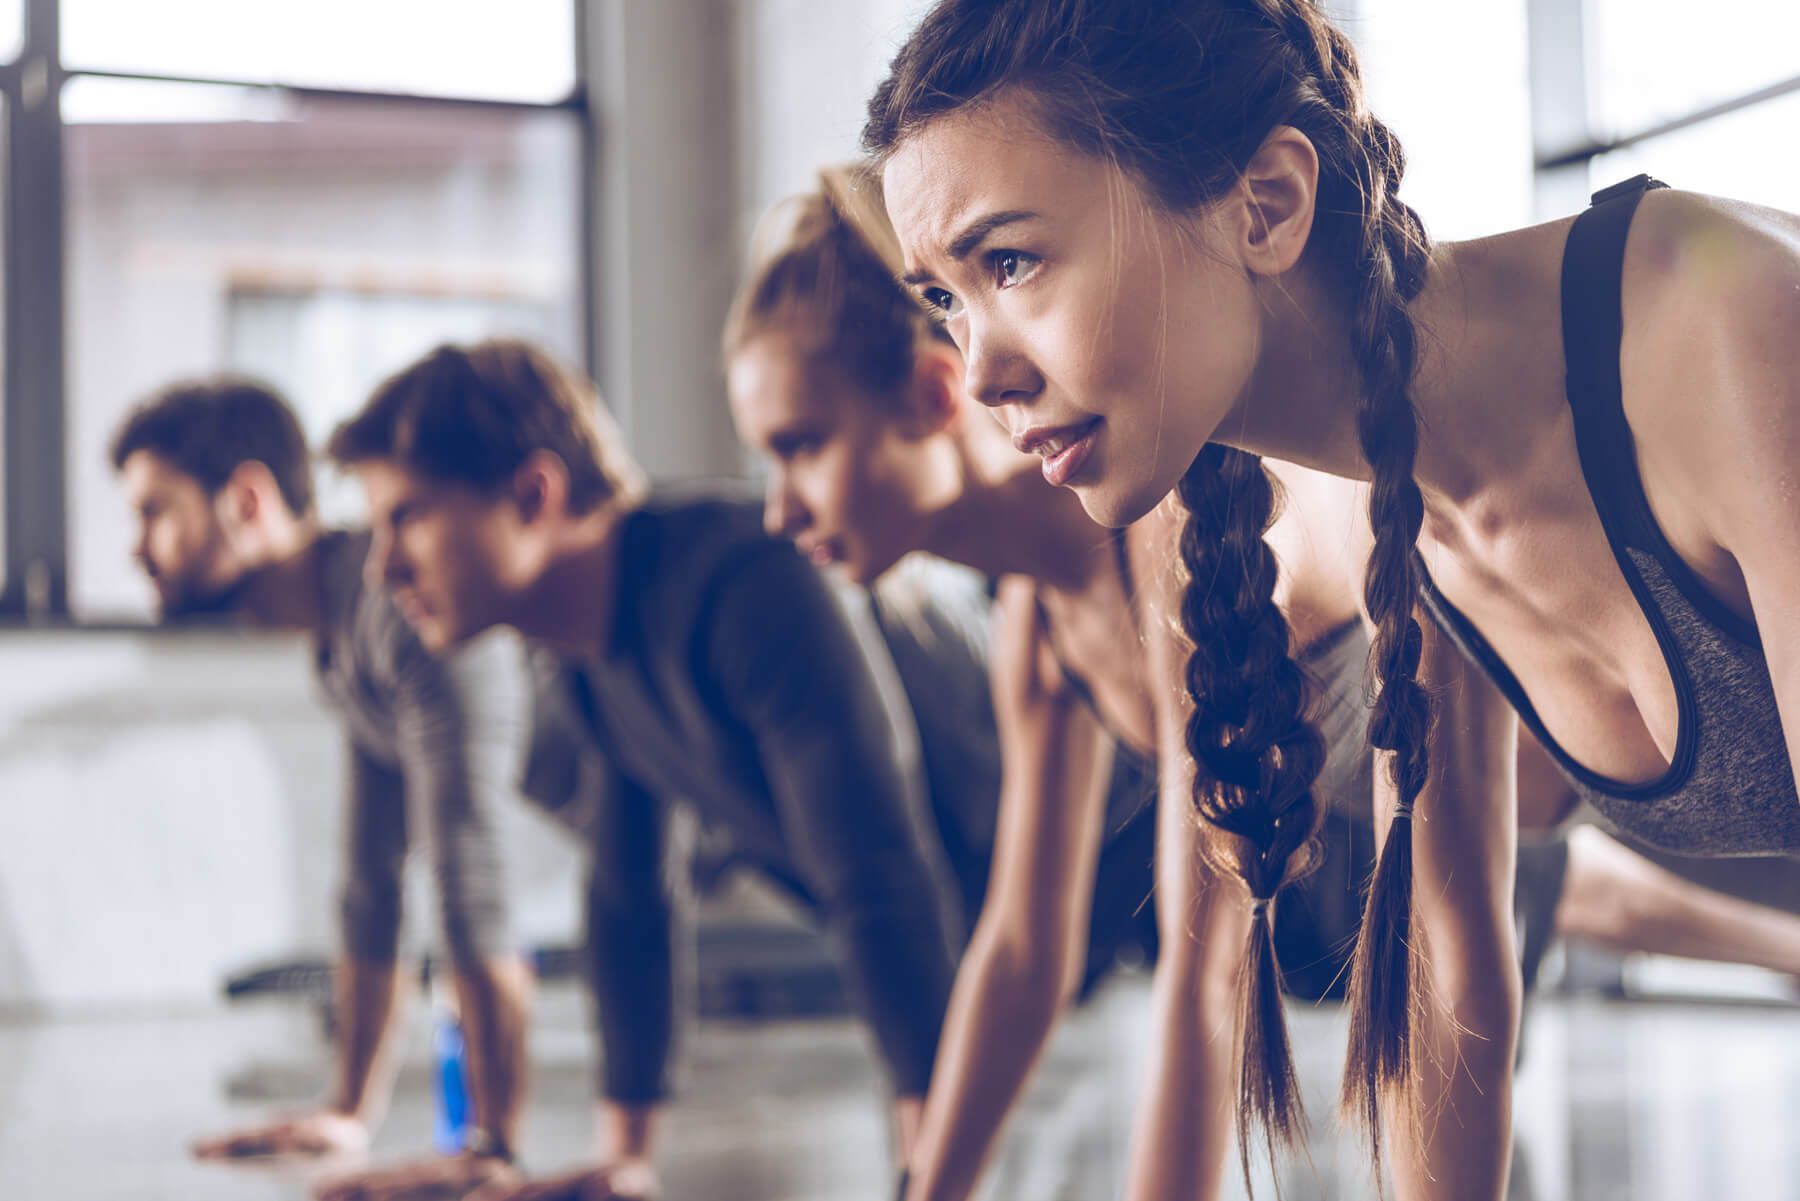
column 731, row 678
column 435, row 746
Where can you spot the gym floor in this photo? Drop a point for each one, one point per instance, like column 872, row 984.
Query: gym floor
column 1653, row 1102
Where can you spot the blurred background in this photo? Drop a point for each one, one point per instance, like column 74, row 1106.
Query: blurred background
column 317, row 192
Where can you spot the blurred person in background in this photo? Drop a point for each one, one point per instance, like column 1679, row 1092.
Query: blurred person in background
column 218, row 478
column 708, row 663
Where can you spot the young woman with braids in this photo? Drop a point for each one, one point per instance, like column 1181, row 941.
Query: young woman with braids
column 875, row 450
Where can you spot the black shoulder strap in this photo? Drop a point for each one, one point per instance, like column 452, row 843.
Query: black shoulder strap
column 1593, row 327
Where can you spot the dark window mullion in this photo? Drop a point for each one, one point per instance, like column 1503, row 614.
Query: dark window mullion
column 1590, row 148
column 36, row 546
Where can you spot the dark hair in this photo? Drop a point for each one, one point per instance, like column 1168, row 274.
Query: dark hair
column 207, row 429
column 472, row 415
column 1180, row 94
column 827, row 274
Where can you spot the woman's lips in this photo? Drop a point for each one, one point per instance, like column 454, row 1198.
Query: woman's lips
column 1064, row 448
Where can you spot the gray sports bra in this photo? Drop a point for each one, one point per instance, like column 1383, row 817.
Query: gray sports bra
column 1730, row 787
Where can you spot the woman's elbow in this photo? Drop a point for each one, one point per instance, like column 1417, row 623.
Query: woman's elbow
column 1035, row 974
column 1478, row 988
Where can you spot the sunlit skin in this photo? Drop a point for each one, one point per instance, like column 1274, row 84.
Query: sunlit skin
column 954, row 498
column 1075, row 301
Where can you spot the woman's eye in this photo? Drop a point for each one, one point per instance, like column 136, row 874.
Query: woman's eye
column 1012, row 267
column 939, row 301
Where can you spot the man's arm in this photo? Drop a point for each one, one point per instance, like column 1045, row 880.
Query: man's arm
column 461, row 725
column 781, row 659
column 369, row 982
column 639, row 969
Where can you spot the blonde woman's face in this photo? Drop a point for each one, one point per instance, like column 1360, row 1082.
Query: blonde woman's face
column 1108, row 336
column 846, row 484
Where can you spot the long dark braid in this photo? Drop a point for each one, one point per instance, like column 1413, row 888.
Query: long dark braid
column 1382, row 990
column 1387, row 242
column 1255, row 755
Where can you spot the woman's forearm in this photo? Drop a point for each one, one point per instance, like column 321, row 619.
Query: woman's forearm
column 1182, row 1134
column 1456, row 1145
column 1007, row 999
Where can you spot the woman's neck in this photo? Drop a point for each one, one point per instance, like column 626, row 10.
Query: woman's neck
column 1006, row 520
column 1487, row 364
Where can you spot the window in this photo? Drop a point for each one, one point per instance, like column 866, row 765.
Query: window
column 522, row 50
column 319, row 242
column 1653, row 60
column 1469, row 163
column 12, row 29
column 1707, row 100
column 1746, row 155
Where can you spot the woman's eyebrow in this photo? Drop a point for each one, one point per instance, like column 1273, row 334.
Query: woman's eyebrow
column 972, row 236
column 977, row 231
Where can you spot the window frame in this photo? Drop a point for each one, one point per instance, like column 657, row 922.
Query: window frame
column 1566, row 136
column 33, row 249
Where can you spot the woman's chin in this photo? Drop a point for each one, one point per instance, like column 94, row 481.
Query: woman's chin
column 1112, row 506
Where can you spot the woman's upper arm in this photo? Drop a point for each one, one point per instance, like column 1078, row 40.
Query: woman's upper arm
column 1465, row 825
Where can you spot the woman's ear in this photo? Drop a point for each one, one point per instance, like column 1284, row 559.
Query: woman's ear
column 936, row 385
column 1271, row 214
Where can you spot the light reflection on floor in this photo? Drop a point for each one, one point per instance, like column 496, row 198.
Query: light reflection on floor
column 1648, row 1102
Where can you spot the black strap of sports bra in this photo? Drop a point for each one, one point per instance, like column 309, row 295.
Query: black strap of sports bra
column 1593, row 327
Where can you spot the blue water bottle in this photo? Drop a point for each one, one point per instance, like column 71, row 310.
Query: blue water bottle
column 452, row 1081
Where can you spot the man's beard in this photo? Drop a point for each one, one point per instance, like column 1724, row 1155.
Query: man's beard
column 204, row 603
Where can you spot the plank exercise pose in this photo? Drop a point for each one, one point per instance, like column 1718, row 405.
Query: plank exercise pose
column 706, row 662
column 875, row 449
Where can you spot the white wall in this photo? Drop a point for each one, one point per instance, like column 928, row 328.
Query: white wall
column 170, row 808
column 805, row 73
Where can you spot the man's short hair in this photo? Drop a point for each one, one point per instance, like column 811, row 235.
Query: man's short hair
column 472, row 415
column 209, row 428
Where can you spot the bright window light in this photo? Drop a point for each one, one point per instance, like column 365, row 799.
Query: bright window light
column 12, row 29
column 1464, row 119
column 1651, row 60
column 522, row 50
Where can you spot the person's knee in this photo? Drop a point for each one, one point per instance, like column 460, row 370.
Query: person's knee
column 1607, row 890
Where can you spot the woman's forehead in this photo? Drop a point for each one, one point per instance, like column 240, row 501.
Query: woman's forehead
column 958, row 168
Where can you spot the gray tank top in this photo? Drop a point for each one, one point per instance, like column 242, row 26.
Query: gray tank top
column 1730, row 788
